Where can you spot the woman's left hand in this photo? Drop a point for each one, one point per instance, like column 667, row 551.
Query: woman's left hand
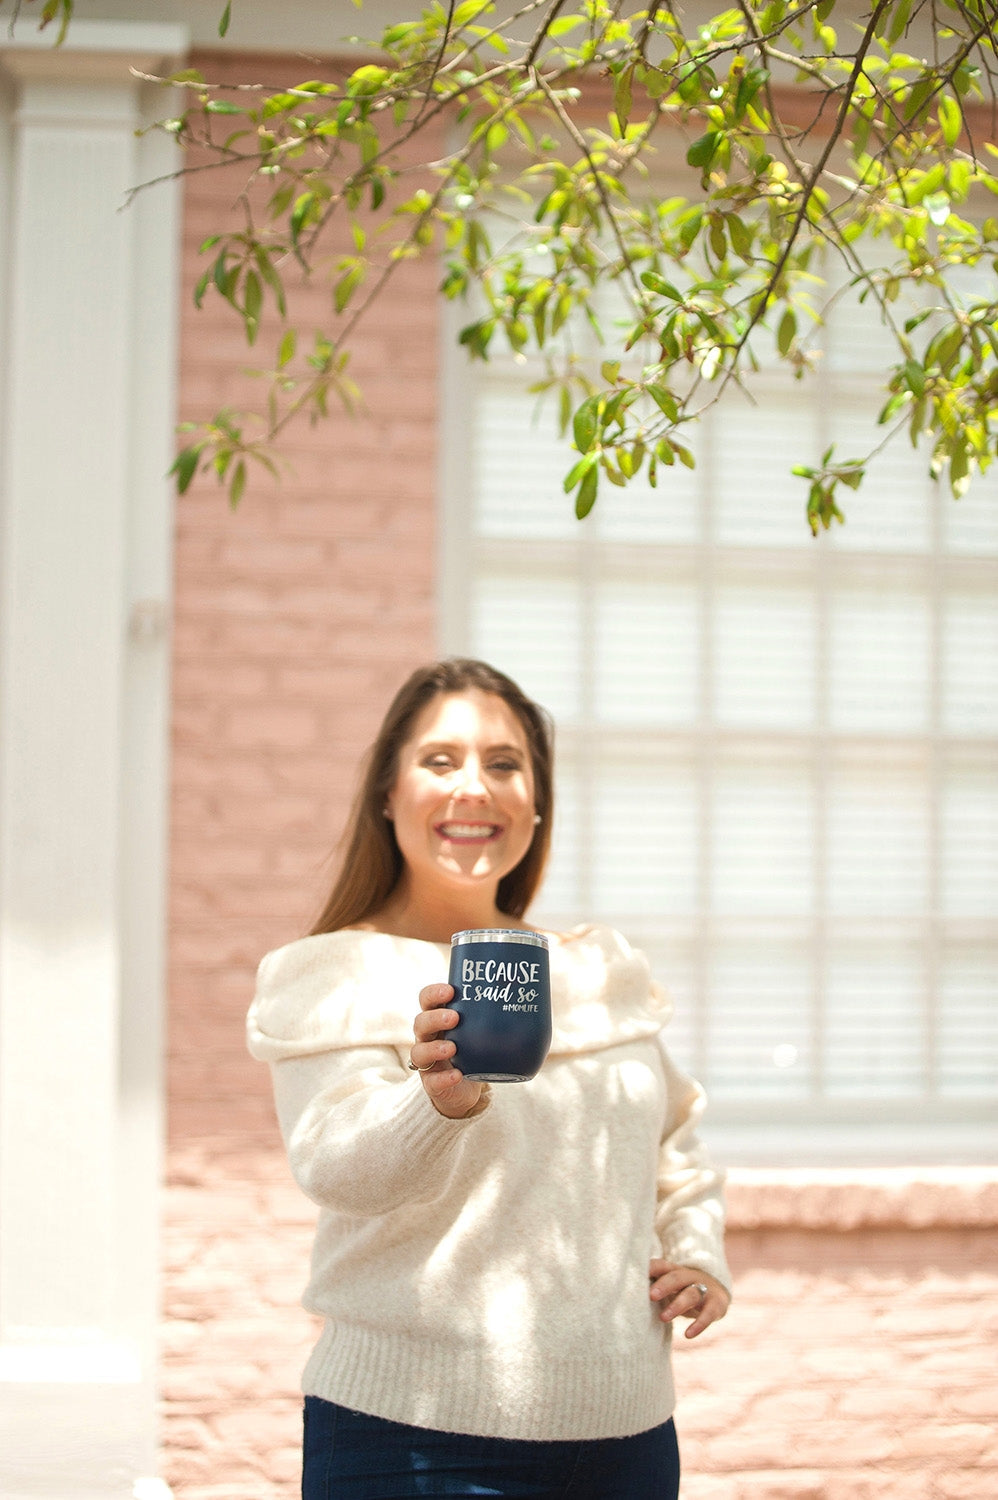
column 678, row 1289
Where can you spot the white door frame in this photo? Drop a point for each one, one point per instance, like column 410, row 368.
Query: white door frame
column 88, row 335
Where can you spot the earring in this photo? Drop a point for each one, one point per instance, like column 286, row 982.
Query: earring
column 537, row 819
column 385, row 812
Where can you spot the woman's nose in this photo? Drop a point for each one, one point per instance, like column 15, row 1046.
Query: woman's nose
column 470, row 782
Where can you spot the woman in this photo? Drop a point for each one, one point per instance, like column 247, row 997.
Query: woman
column 497, row 1265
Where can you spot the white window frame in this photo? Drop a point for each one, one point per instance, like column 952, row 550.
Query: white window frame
column 815, row 1130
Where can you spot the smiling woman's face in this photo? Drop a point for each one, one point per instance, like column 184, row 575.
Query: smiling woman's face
column 463, row 797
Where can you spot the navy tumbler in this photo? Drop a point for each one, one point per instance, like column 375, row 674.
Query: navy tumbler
column 502, row 992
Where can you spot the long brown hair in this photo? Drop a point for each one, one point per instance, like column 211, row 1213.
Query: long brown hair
column 372, row 862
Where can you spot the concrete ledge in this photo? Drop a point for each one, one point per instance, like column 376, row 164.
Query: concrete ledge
column 845, row 1199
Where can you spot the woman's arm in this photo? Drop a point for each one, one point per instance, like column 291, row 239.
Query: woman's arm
column 689, row 1215
column 361, row 1135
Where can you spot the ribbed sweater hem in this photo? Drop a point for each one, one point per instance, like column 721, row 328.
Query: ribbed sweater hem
column 448, row 1388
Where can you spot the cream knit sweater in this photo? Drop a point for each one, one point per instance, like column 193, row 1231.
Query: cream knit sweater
column 488, row 1275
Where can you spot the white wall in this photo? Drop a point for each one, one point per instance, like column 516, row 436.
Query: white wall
column 88, row 316
column 310, row 26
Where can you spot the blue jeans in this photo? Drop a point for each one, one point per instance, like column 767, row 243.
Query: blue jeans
column 350, row 1456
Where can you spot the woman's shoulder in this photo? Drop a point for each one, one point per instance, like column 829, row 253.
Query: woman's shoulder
column 346, row 950
column 602, row 990
column 590, row 938
column 352, row 987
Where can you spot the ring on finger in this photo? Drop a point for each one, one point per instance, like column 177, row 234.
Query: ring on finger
column 698, row 1286
column 415, row 1068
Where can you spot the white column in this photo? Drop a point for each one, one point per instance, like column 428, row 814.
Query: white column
column 88, row 322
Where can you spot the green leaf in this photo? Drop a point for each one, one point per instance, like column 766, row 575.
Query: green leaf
column 656, row 283
column 665, row 401
column 286, row 351
column 576, row 472
column 612, row 473
column 787, row 331
column 219, row 273
column 223, row 24
column 950, row 118
column 943, row 349
column 929, row 181
column 704, row 149
column 367, row 80
column 914, row 322
column 622, row 96
column 740, row 236
column 695, row 79
column 301, row 214
column 586, row 498
column 921, row 94
column 51, row 10
column 272, row 279
column 348, row 284
column 252, row 302
column 585, row 424
column 185, row 466
column 899, row 21
column 476, row 337
column 914, row 377
column 562, row 25
column 564, row 410
column 237, row 483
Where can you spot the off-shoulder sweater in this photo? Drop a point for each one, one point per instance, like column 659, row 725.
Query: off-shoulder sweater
column 488, row 1275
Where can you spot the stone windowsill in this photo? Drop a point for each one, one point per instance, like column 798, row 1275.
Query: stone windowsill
column 843, row 1199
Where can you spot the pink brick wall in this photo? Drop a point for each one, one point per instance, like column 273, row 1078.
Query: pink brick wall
column 296, row 618
column 857, row 1362
column 859, row 1358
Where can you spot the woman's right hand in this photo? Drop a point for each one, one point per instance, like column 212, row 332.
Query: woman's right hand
column 450, row 1093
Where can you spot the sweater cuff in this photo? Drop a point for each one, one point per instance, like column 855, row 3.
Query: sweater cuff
column 424, row 1120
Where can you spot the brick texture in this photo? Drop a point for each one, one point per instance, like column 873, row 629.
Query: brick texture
column 295, row 620
column 854, row 1361
column 858, row 1359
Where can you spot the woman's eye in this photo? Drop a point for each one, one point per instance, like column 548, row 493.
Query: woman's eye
column 438, row 762
column 507, row 767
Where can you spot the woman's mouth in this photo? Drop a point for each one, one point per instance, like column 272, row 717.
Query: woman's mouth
column 469, row 833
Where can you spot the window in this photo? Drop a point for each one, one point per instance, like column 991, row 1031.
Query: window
column 777, row 754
